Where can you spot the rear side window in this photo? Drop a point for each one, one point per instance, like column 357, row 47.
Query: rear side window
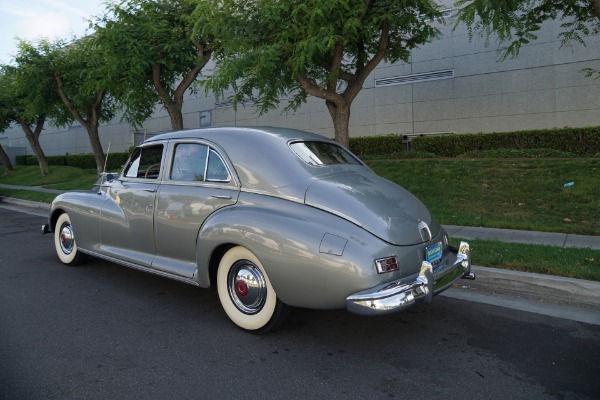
column 323, row 153
column 145, row 162
column 189, row 162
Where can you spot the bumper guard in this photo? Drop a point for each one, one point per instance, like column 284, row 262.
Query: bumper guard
column 396, row 296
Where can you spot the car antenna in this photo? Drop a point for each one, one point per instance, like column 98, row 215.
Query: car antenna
column 105, row 162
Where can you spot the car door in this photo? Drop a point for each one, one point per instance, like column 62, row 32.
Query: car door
column 127, row 223
column 198, row 181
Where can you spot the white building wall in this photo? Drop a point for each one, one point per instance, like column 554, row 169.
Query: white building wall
column 542, row 88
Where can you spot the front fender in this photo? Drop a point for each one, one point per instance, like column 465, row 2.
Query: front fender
column 84, row 209
column 313, row 259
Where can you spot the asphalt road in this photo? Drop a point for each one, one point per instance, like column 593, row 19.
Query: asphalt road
column 102, row 331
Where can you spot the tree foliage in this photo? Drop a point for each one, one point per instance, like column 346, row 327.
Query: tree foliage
column 28, row 96
column 153, row 44
column 85, row 87
column 268, row 50
column 518, row 21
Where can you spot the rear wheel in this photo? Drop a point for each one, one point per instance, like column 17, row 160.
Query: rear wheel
column 246, row 293
column 64, row 242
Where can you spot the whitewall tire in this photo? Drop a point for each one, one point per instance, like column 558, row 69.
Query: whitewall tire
column 246, row 293
column 64, row 241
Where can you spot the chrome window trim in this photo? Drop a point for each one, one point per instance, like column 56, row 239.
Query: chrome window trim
column 233, row 182
column 212, row 151
column 355, row 158
column 124, row 178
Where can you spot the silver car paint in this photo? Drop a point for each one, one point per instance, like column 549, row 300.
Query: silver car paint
column 266, row 214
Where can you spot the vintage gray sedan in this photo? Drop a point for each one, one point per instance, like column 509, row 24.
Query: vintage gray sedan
column 273, row 218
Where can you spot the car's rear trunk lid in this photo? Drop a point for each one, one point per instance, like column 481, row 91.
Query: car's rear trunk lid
column 378, row 205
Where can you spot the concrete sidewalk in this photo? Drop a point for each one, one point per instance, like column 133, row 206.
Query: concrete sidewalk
column 567, row 298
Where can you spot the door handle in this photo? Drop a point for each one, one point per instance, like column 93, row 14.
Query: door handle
column 221, row 197
column 149, row 190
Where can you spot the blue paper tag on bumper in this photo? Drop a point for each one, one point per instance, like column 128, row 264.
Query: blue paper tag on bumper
column 434, row 253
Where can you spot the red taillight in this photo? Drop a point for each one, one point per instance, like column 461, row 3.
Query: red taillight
column 387, row 264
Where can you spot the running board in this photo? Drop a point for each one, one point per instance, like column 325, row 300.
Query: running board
column 142, row 268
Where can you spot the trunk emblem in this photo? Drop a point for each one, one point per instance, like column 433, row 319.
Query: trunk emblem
column 424, row 231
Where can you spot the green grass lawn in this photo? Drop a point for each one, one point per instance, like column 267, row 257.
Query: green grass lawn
column 65, row 178
column 504, row 193
column 28, row 195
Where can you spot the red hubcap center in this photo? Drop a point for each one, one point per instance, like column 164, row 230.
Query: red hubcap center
column 241, row 288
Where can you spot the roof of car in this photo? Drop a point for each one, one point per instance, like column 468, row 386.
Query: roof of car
column 241, row 133
column 261, row 156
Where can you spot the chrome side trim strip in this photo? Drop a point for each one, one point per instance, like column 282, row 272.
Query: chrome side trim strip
column 141, row 267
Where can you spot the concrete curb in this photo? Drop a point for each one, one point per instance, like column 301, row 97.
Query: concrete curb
column 579, row 290
column 25, row 203
column 558, row 297
column 526, row 237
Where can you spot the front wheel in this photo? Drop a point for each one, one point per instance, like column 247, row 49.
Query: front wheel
column 246, row 293
column 64, row 242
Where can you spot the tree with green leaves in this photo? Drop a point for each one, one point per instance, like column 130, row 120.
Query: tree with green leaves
column 518, row 21
column 5, row 122
column 153, row 43
column 28, row 96
column 6, row 119
column 85, row 87
column 268, row 50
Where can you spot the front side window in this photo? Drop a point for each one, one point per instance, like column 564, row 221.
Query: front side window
column 198, row 162
column 322, row 153
column 145, row 162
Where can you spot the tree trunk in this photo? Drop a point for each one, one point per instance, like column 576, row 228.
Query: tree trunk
column 340, row 115
column 596, row 6
column 5, row 159
column 175, row 115
column 33, row 139
column 92, row 130
column 90, row 124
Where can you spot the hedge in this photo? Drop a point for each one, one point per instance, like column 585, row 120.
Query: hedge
column 376, row 145
column 572, row 140
column 578, row 141
column 84, row 161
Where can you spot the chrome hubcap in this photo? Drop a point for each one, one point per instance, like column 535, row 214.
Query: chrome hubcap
column 67, row 240
column 247, row 287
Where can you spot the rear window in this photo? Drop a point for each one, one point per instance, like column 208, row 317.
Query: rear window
column 323, row 153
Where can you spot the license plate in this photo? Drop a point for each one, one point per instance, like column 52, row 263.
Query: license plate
column 434, row 253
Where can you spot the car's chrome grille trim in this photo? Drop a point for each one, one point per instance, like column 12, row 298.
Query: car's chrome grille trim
column 142, row 268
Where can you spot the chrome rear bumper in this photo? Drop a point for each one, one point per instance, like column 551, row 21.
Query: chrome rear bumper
column 396, row 296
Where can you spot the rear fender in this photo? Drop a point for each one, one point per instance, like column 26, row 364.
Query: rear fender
column 313, row 258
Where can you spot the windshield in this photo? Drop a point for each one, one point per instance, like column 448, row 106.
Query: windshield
column 322, row 153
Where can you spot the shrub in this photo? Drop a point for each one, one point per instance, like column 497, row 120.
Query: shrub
column 376, row 145
column 116, row 161
column 22, row 159
column 518, row 153
column 578, row 141
column 400, row 155
column 84, row 161
column 57, row 160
